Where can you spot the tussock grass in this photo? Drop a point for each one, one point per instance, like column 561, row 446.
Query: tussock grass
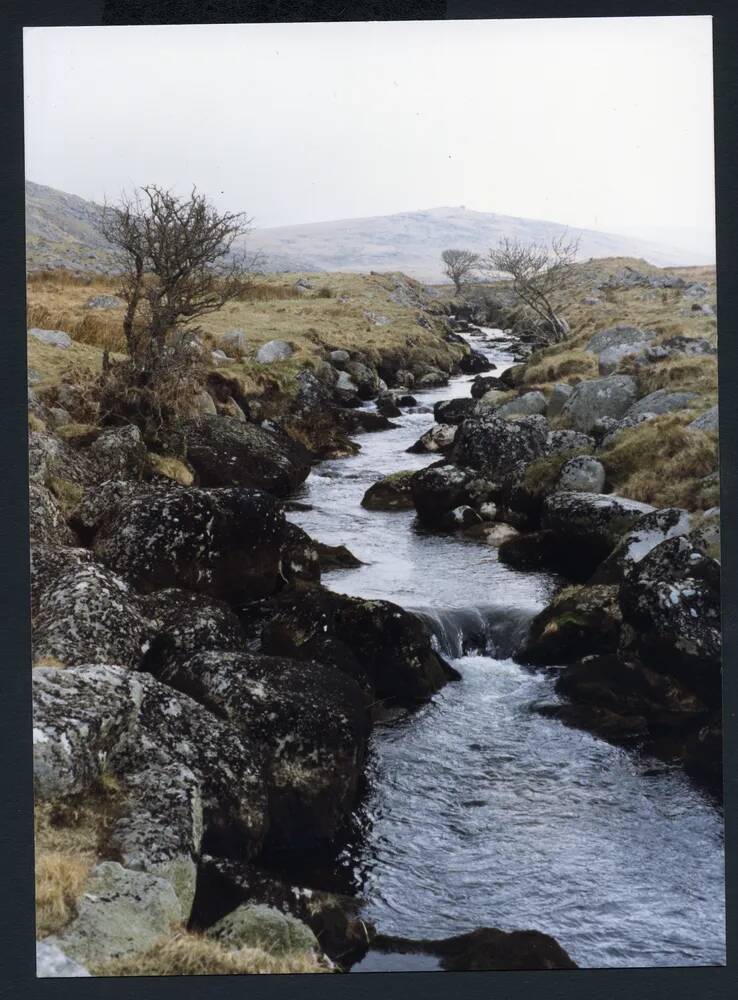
column 189, row 954
column 689, row 373
column 661, row 462
column 70, row 839
column 102, row 328
column 566, row 365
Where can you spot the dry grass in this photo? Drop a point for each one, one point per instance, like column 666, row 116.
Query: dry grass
column 100, row 327
column 560, row 365
column 189, row 954
column 70, row 839
column 661, row 462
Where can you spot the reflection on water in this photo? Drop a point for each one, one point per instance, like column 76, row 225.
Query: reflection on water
column 481, row 812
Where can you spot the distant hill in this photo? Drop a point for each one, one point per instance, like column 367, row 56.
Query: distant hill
column 61, row 231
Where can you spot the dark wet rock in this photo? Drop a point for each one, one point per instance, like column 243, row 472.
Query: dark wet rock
column 473, row 363
column 393, row 492
column 311, row 720
column 540, row 550
column 485, row 949
column 192, row 776
column 583, row 473
column 461, row 517
column 647, row 532
column 102, row 502
column 578, row 622
column 526, row 405
column 359, row 420
column 90, row 615
column 703, row 755
column 558, row 397
column 227, row 543
column 437, row 490
column 596, row 398
column 662, row 401
column 590, row 524
column 493, row 445
column 512, row 375
column 613, row 726
column 707, row 421
column 335, row 557
column 453, row 411
column 439, row 438
column 388, row 407
column 671, row 600
column 224, row 451
column 47, row 522
column 483, row 384
column 386, row 649
column 334, row 919
column 430, row 378
column 301, row 562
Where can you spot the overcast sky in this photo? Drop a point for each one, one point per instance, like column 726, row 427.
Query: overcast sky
column 603, row 123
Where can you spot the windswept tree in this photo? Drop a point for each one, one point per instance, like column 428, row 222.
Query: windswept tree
column 177, row 263
column 540, row 273
column 459, row 266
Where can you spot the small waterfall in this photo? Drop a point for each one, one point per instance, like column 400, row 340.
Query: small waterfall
column 492, row 630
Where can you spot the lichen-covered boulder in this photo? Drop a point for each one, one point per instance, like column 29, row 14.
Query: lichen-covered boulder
column 387, row 650
column 184, row 623
column 582, row 474
column 255, row 925
column 596, row 398
column 590, row 524
column 122, row 912
column 671, row 600
column 523, row 406
column 48, row 563
column 393, row 492
column 561, row 441
column 185, row 774
column 312, row 721
column 87, row 614
column 48, row 525
column 453, row 411
column 661, row 401
column 120, row 453
column 707, row 421
column 224, row 451
column 579, row 621
column 52, row 963
column 56, row 338
column 49, row 458
column 618, row 336
column 274, row 350
column 437, row 490
column 647, row 532
column 610, row 433
column 227, row 543
column 439, row 438
column 559, row 395
column 493, row 445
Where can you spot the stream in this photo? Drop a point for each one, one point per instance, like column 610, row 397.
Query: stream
column 479, row 811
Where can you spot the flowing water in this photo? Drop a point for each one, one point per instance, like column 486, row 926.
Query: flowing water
column 481, row 812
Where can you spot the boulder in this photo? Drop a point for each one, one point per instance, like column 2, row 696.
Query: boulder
column 254, row 925
column 647, row 532
column 104, row 302
column 473, row 363
column 339, row 358
column 50, row 458
column 345, row 390
column 707, row 421
column 461, row 517
column 121, row 453
column 47, row 523
column 680, row 345
column 364, row 378
column 582, row 474
column 386, row 649
column 541, row 550
column 220, row 358
column 596, row 398
column 437, row 490
column 387, row 406
column 227, row 543
column 671, row 600
column 53, row 963
column 55, row 338
column 439, row 438
column 483, row 384
column 618, row 336
column 526, row 405
column 393, row 492
column 48, row 563
column 494, row 445
column 224, row 451
column 311, row 721
column 185, row 623
column 661, row 401
column 590, row 524
column 90, row 615
column 611, row 432
column 485, row 949
column 186, row 774
column 579, row 621
column 274, row 350
column 234, row 343
column 453, row 411
column 122, row 912
column 559, row 442
column 558, row 397
column 609, row 360
column 430, row 378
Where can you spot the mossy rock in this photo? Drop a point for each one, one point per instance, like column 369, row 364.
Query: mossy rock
column 260, row 926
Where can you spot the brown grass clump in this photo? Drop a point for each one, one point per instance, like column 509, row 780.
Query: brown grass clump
column 101, row 328
column 561, row 365
column 189, row 954
column 662, row 462
column 70, row 839
column 690, row 373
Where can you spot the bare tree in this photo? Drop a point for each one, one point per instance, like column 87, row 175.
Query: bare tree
column 540, row 273
column 459, row 265
column 177, row 262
